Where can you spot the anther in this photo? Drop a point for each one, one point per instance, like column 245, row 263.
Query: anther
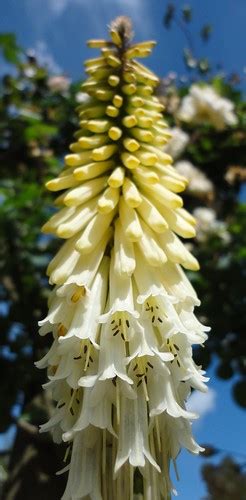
column 61, row 405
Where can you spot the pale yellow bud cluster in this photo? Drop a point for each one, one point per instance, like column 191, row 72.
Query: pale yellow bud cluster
column 117, row 172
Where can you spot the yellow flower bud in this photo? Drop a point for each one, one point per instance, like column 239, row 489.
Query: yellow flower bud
column 130, row 221
column 113, row 80
column 104, row 152
column 131, row 194
column 129, row 121
column 112, row 111
column 130, row 144
column 115, row 133
column 130, row 161
column 116, row 179
column 109, row 199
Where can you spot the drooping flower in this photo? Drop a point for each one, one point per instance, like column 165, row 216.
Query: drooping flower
column 121, row 313
column 204, row 104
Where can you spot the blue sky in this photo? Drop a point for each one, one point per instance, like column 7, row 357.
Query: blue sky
column 222, row 424
column 58, row 30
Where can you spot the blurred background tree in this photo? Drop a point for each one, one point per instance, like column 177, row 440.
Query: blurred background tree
column 37, row 123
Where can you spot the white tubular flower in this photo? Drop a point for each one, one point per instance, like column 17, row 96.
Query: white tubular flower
column 121, row 313
column 204, row 104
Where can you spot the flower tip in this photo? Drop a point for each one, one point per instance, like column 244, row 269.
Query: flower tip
column 52, row 186
column 122, row 26
column 46, row 228
column 192, row 264
column 178, row 203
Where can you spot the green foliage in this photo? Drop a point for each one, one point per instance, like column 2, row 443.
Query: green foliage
column 36, row 126
column 11, row 51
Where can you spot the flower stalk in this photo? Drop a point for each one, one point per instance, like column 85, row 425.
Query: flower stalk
column 121, row 312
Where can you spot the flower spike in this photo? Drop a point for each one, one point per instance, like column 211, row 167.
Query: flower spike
column 121, row 313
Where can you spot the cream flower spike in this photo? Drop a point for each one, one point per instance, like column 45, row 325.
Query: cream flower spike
column 121, row 313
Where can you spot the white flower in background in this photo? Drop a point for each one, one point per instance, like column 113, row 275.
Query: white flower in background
column 58, row 83
column 82, row 97
column 178, row 142
column 208, row 224
column 121, row 313
column 198, row 183
column 203, row 104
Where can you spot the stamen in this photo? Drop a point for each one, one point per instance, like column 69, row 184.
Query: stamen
column 117, row 403
column 144, row 379
column 87, row 358
column 157, row 430
column 104, row 453
column 61, row 332
column 131, row 483
column 80, row 292
column 67, row 453
column 176, row 469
